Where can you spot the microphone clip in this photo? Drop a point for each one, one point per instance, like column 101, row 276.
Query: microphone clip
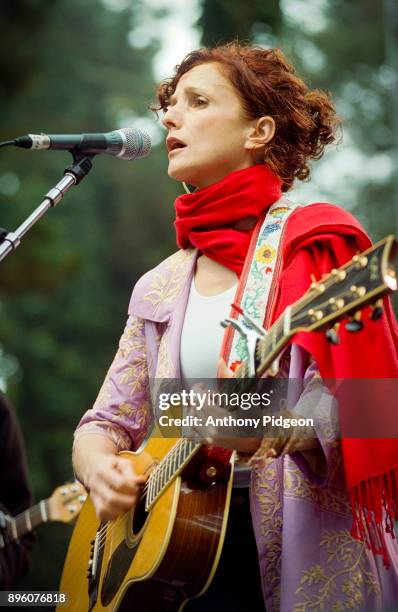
column 81, row 165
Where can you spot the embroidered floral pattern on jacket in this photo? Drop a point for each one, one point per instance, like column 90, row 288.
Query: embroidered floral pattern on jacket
column 165, row 367
column 121, row 410
column 266, row 493
column 330, row 498
column 345, row 582
column 165, row 287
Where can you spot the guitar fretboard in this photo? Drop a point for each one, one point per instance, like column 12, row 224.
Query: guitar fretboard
column 28, row 520
column 170, row 466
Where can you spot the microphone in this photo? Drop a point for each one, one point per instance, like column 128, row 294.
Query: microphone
column 126, row 143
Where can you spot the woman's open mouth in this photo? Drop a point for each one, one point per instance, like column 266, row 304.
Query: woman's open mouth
column 173, row 151
column 174, row 144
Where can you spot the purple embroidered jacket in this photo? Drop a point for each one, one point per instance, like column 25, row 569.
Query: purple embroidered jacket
column 300, row 510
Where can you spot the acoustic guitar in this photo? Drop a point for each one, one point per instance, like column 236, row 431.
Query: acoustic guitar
column 165, row 550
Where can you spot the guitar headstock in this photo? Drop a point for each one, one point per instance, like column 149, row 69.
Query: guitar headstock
column 347, row 290
column 342, row 294
column 66, row 502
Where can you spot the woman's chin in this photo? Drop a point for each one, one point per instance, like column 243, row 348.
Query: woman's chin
column 182, row 177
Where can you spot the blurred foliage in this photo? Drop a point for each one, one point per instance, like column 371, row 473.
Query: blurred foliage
column 21, row 23
column 65, row 291
column 224, row 20
column 67, row 67
column 355, row 69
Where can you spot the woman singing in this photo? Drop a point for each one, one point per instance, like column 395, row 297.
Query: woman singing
column 241, row 127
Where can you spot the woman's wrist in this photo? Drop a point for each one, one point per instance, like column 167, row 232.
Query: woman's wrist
column 88, row 449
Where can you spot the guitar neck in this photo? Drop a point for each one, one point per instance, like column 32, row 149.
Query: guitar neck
column 270, row 347
column 28, row 520
column 169, row 468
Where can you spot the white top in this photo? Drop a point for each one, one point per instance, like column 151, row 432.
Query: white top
column 201, row 339
column 202, row 333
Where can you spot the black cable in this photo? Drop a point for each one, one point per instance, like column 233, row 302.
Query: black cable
column 7, row 143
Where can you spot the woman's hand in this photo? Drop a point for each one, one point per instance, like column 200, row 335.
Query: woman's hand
column 213, row 438
column 298, row 440
column 114, row 486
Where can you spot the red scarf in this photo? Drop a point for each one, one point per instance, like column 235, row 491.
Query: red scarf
column 204, row 218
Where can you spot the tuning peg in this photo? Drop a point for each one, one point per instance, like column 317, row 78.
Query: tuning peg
column 316, row 315
column 332, row 335
column 355, row 324
column 358, row 291
column 317, row 286
column 339, row 274
column 377, row 311
column 336, row 303
column 362, row 260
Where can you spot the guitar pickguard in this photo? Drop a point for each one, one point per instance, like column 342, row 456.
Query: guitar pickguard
column 123, row 555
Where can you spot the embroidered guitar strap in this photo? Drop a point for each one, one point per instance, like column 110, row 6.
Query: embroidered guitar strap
column 254, row 290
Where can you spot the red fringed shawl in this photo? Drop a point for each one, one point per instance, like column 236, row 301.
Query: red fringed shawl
column 318, row 238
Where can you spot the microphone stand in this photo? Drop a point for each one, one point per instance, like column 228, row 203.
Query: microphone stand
column 73, row 175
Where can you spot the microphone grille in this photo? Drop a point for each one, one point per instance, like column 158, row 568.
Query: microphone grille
column 136, row 143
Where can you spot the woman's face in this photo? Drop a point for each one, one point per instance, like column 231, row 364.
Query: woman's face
column 205, row 115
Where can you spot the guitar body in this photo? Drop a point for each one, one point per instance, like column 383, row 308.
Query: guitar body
column 154, row 561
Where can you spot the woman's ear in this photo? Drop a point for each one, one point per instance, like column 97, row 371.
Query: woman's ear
column 261, row 132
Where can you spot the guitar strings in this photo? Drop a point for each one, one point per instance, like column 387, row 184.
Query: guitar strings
column 104, row 531
column 160, row 470
column 108, row 527
column 161, row 467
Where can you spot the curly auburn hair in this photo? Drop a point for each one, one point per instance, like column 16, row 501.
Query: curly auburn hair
column 267, row 84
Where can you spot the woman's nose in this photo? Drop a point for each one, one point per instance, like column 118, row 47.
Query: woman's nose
column 171, row 118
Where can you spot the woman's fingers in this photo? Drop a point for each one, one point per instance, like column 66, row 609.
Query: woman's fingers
column 114, row 486
column 125, row 478
column 270, row 448
column 110, row 504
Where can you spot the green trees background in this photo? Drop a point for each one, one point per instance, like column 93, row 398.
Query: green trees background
column 70, row 66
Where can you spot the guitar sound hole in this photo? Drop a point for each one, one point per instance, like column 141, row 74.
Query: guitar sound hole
column 139, row 516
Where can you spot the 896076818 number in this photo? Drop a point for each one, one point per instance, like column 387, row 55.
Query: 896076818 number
column 32, row 598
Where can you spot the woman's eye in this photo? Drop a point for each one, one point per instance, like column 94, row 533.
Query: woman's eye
column 200, row 102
